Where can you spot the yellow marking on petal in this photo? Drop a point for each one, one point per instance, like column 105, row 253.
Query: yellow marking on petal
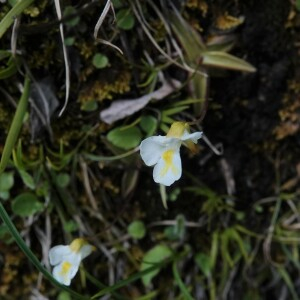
column 77, row 244
column 177, row 129
column 168, row 156
column 65, row 268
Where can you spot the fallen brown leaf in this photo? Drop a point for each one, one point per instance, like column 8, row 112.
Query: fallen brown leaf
column 123, row 108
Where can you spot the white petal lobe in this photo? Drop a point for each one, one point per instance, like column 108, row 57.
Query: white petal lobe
column 58, row 253
column 168, row 169
column 152, row 148
column 191, row 136
column 86, row 250
column 65, row 272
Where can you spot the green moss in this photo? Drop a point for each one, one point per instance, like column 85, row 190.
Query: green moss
column 103, row 89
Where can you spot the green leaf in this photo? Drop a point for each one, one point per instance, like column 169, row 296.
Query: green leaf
column 288, row 281
column 6, row 181
column 179, row 228
column 5, row 235
column 125, row 137
column 152, row 257
column 169, row 233
column 298, row 5
column 258, row 208
column 183, row 288
column 189, row 38
column 69, row 41
column 91, row 105
column 9, row 18
column 10, row 70
column 70, row 10
column 62, row 180
column 70, row 226
column 148, row 124
column 214, row 249
column 175, row 110
column 16, row 125
column 203, row 261
column 125, row 19
column 167, row 119
column 100, row 61
column 64, row 296
column 226, row 61
column 13, row 2
column 4, row 54
column 174, row 194
column 26, row 205
column 177, row 231
column 137, row 230
column 27, row 179
column 4, row 195
column 117, row 3
column 42, row 190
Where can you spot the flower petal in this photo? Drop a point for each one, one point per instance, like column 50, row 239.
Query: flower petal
column 65, row 271
column 86, row 250
column 191, row 136
column 168, row 169
column 152, row 148
column 58, row 253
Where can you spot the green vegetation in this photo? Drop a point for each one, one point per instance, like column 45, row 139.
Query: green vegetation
column 83, row 84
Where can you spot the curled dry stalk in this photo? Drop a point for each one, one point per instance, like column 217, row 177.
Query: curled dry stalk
column 65, row 54
column 108, row 5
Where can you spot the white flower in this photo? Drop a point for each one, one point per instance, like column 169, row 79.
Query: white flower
column 66, row 259
column 163, row 152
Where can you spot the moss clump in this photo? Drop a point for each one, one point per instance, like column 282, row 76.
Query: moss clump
column 43, row 57
column 200, row 5
column 36, row 10
column 289, row 114
column 87, row 49
column 105, row 89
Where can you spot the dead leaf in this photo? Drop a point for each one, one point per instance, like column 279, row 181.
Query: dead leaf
column 44, row 103
column 123, row 108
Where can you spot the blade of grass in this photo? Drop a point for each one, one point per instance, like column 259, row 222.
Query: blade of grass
column 175, row 110
column 287, row 279
column 180, row 283
column 15, row 127
column 131, row 278
column 33, row 259
column 9, row 71
column 9, row 18
column 109, row 158
column 214, row 249
column 101, row 285
column 150, row 296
